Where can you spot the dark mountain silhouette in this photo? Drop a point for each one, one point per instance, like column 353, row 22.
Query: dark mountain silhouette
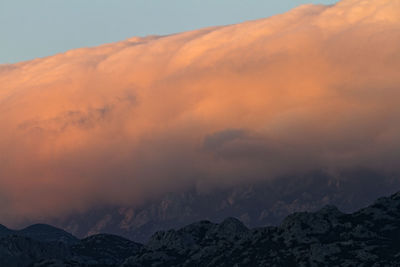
column 19, row 251
column 47, row 233
column 368, row 237
column 105, row 249
column 41, row 232
column 4, row 231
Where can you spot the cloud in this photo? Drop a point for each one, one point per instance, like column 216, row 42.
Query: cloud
column 218, row 139
column 315, row 88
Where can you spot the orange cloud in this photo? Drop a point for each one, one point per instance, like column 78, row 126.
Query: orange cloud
column 315, row 88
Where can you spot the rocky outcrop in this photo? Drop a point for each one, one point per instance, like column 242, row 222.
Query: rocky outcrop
column 104, row 249
column 369, row 237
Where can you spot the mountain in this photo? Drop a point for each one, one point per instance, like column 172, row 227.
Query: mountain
column 327, row 237
column 274, row 122
column 98, row 250
column 4, row 231
column 105, row 249
column 368, row 237
column 41, row 232
column 19, row 251
column 47, row 233
column 255, row 204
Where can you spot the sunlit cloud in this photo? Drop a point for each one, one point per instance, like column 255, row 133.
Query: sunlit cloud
column 315, row 88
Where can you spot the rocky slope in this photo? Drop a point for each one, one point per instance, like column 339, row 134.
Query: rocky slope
column 368, row 237
column 327, row 237
column 256, row 204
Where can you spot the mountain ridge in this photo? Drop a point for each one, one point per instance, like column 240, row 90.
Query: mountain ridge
column 370, row 235
column 256, row 204
column 40, row 232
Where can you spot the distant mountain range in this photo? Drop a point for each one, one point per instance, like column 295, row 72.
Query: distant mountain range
column 368, row 237
column 255, row 204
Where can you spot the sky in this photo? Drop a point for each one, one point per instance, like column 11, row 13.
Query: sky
column 31, row 29
column 316, row 88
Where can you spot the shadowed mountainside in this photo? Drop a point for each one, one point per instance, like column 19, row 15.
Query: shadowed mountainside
column 41, row 232
column 256, row 204
column 370, row 236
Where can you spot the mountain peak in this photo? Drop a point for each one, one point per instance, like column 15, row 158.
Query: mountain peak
column 233, row 225
column 47, row 233
column 4, row 231
column 40, row 227
column 2, row 227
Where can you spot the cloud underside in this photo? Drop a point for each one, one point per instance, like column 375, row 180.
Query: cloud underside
column 315, row 88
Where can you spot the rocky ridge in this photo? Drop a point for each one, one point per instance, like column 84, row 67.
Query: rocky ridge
column 368, row 237
column 255, row 204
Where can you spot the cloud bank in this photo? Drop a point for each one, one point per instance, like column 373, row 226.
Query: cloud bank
column 315, row 88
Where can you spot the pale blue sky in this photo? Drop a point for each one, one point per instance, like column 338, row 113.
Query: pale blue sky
column 38, row 28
